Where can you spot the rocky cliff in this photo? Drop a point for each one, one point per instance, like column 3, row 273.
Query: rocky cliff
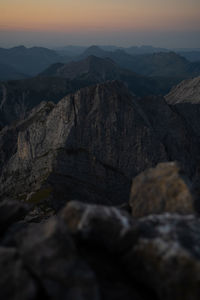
column 90, row 145
column 134, row 233
column 185, row 100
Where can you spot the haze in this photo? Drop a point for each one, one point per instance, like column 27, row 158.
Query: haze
column 171, row 23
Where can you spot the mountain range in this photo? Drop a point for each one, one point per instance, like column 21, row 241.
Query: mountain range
column 192, row 54
column 8, row 73
column 29, row 61
column 100, row 177
column 18, row 97
column 93, row 69
column 90, row 145
column 162, row 64
column 146, row 60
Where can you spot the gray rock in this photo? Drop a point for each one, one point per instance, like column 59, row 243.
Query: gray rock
column 185, row 100
column 98, row 231
column 161, row 252
column 11, row 212
column 188, row 91
column 15, row 282
column 164, row 188
column 90, row 145
column 51, row 256
column 87, row 147
column 165, row 255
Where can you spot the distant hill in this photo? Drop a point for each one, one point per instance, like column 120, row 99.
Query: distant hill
column 192, row 56
column 29, row 61
column 92, row 70
column 70, row 50
column 96, row 51
column 146, row 49
column 19, row 96
column 9, row 73
column 163, row 64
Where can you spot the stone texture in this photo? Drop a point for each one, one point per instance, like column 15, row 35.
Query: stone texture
column 11, row 212
column 15, row 281
column 161, row 253
column 90, row 145
column 185, row 100
column 166, row 255
column 161, row 189
column 186, row 91
column 51, row 256
column 87, row 147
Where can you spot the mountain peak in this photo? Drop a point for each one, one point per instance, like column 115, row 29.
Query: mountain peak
column 94, row 50
column 188, row 91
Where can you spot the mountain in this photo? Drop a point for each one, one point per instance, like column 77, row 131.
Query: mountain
column 188, row 91
column 29, row 60
column 94, row 69
column 70, row 50
column 95, row 51
column 20, row 96
column 161, row 64
column 192, row 56
column 9, row 73
column 90, row 145
column 145, row 49
column 136, row 210
column 185, row 99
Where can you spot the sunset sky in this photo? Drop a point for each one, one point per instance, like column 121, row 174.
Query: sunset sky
column 173, row 23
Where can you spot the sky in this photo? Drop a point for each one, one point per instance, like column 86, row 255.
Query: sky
column 164, row 23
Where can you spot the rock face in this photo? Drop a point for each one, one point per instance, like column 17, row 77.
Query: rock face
column 18, row 97
column 185, row 100
column 90, row 145
column 50, row 255
column 188, row 91
column 15, row 282
column 159, row 190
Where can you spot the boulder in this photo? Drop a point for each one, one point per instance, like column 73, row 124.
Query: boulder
column 162, row 189
column 164, row 254
column 160, row 254
column 11, row 212
column 51, row 256
column 98, row 231
column 15, row 282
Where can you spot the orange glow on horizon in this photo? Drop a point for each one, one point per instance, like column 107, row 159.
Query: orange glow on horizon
column 79, row 15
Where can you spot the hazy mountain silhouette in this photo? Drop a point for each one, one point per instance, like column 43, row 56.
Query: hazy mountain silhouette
column 9, row 73
column 94, row 69
column 29, row 61
column 164, row 64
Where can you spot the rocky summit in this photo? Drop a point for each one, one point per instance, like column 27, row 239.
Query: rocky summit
column 90, row 145
column 99, row 197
